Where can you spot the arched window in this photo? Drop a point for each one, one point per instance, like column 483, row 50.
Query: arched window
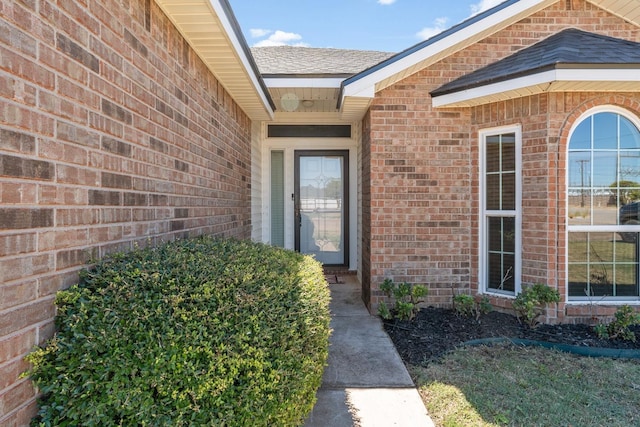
column 604, row 207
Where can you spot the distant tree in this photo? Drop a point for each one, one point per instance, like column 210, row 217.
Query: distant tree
column 627, row 191
column 333, row 189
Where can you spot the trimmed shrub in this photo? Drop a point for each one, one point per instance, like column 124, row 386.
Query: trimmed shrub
column 532, row 302
column 195, row 332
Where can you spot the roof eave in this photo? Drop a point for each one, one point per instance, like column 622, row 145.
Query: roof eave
column 436, row 48
column 239, row 75
column 559, row 79
column 447, row 89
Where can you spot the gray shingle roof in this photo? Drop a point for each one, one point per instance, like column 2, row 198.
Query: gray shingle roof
column 568, row 47
column 294, row 60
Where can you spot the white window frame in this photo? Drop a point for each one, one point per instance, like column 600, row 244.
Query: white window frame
column 485, row 213
column 595, row 228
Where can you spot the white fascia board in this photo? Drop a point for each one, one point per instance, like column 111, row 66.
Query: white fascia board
column 367, row 83
column 547, row 77
column 359, row 91
column 322, row 83
column 238, row 47
column 598, row 75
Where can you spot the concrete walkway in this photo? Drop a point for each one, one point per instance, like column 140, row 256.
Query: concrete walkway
column 365, row 383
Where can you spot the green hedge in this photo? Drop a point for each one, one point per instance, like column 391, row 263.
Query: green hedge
column 195, row 332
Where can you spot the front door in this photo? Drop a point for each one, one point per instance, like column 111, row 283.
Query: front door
column 321, row 205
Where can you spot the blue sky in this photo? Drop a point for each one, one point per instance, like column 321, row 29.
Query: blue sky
column 385, row 25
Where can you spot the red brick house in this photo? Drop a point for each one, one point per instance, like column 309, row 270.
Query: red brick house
column 503, row 151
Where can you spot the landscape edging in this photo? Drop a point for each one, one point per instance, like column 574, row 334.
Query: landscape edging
column 573, row 349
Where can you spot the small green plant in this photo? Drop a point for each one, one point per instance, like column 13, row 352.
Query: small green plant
column 482, row 306
column 466, row 305
column 619, row 327
column 532, row 302
column 406, row 297
column 463, row 305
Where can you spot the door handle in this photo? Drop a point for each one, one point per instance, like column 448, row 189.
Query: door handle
column 298, row 216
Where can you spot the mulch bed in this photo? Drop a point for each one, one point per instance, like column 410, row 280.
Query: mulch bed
column 436, row 331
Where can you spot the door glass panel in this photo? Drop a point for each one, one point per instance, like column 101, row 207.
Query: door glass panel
column 322, row 207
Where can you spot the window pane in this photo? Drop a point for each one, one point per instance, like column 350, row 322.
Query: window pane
column 578, row 264
column 604, row 168
column 495, row 234
column 509, row 234
column 601, row 248
column 605, row 210
column 579, row 206
column 493, row 192
column 508, row 138
column 501, row 253
column 508, row 281
column 600, row 280
column 578, row 248
column 630, row 169
column 580, row 169
column 509, row 156
column 495, row 270
column 509, row 191
column 626, row 285
column 628, row 196
column 578, row 284
column 629, row 134
column 502, row 234
column 501, row 272
column 581, row 137
column 625, row 251
column 493, row 155
column 605, row 131
column 602, row 265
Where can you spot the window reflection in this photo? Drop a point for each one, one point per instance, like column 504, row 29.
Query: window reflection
column 604, row 191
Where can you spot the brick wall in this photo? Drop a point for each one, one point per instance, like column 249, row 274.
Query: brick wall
column 424, row 166
column 112, row 133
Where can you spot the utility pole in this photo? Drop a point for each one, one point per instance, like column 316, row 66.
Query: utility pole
column 582, row 162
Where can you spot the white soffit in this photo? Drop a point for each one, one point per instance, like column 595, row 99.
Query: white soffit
column 575, row 80
column 398, row 69
column 629, row 10
column 210, row 32
column 279, row 82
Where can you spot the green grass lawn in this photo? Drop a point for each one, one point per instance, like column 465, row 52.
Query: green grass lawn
column 513, row 386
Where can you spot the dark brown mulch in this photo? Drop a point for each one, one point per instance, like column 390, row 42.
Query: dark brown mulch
column 435, row 331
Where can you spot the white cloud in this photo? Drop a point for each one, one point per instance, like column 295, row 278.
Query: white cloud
column 483, row 5
column 281, row 38
column 386, row 2
column 439, row 25
column 256, row 33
